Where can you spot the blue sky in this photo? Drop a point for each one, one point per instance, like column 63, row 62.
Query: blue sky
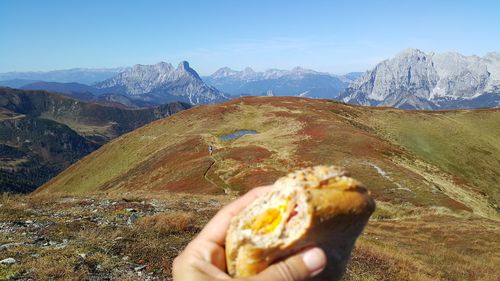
column 333, row 36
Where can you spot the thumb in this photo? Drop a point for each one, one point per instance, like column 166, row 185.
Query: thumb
column 298, row 267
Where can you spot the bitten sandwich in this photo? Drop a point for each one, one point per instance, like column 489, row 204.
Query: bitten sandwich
column 319, row 206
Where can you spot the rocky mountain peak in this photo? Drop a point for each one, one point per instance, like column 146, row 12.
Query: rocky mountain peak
column 184, row 68
column 183, row 65
column 415, row 79
column 162, row 83
column 248, row 70
column 224, row 72
column 411, row 52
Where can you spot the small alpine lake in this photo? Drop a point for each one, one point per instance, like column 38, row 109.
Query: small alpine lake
column 237, row 134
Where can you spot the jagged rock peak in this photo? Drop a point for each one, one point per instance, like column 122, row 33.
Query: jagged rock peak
column 184, row 67
column 248, row 70
column 161, row 82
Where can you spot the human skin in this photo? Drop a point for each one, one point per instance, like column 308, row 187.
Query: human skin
column 204, row 258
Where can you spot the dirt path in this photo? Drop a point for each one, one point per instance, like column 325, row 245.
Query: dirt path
column 208, row 169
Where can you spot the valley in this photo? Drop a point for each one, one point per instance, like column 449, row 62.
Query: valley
column 42, row 133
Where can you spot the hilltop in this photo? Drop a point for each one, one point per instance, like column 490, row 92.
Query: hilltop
column 424, row 158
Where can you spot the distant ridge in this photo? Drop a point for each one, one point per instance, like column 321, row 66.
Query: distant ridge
column 295, row 82
column 86, row 76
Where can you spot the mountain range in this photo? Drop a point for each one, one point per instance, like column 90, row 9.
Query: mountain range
column 89, row 93
column 276, row 82
column 42, row 133
column 79, row 75
column 414, row 79
column 138, row 86
column 162, row 83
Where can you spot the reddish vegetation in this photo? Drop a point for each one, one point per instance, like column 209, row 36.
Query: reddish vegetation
column 255, row 177
column 247, row 154
column 181, row 167
column 453, row 204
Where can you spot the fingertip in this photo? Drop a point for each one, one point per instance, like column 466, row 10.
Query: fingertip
column 315, row 260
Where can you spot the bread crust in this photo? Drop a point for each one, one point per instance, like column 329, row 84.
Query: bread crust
column 338, row 207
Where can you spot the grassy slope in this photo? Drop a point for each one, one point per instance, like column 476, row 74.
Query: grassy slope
column 464, row 143
column 432, row 175
column 401, row 160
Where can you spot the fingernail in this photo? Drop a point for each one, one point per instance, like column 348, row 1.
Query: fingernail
column 315, row 260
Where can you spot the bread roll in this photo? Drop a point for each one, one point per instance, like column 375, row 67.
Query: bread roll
column 315, row 206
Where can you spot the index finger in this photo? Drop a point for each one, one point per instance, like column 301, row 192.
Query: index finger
column 216, row 228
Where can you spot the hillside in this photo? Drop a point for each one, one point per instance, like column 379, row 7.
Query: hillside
column 434, row 180
column 43, row 133
column 417, row 157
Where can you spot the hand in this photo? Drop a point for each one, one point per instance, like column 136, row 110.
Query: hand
column 204, row 258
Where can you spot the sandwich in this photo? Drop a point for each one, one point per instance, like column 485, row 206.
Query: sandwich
column 319, row 206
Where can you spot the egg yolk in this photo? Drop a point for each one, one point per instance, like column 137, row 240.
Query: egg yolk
column 269, row 220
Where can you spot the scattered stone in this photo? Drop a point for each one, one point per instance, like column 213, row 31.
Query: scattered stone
column 8, row 245
column 28, row 222
column 41, row 240
column 131, row 210
column 125, row 258
column 82, row 255
column 139, row 268
column 8, row 261
column 132, row 219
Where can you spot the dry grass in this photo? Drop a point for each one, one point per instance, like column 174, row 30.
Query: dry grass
column 176, row 221
column 428, row 247
column 56, row 266
column 98, row 228
column 378, row 263
column 402, row 242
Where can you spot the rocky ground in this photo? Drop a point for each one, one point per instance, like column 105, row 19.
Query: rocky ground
column 92, row 238
column 136, row 237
